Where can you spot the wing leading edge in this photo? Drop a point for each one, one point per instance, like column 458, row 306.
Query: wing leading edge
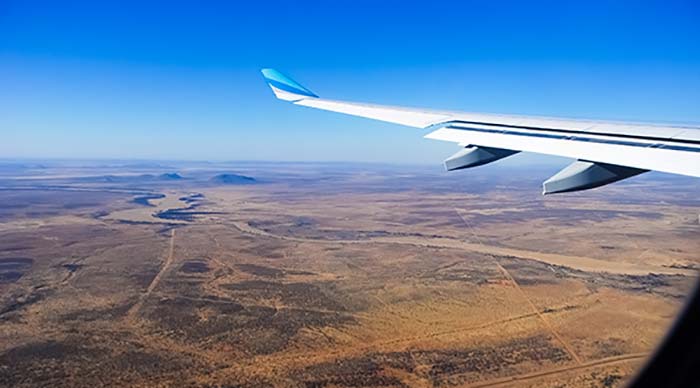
column 605, row 152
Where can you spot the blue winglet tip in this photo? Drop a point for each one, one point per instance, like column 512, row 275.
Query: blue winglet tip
column 282, row 82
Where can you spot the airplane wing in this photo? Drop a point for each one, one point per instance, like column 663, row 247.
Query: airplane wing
column 605, row 152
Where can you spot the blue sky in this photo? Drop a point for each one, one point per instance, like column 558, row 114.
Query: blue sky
column 180, row 80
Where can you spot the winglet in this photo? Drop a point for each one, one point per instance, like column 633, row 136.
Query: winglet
column 284, row 87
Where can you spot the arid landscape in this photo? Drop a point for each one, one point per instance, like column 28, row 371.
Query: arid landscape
column 334, row 275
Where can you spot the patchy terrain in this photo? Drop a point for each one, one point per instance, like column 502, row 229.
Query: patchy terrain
column 317, row 275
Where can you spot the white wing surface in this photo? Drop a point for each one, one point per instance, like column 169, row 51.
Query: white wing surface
column 605, row 152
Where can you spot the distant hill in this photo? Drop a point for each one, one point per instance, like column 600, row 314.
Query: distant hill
column 232, row 179
column 171, row 176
